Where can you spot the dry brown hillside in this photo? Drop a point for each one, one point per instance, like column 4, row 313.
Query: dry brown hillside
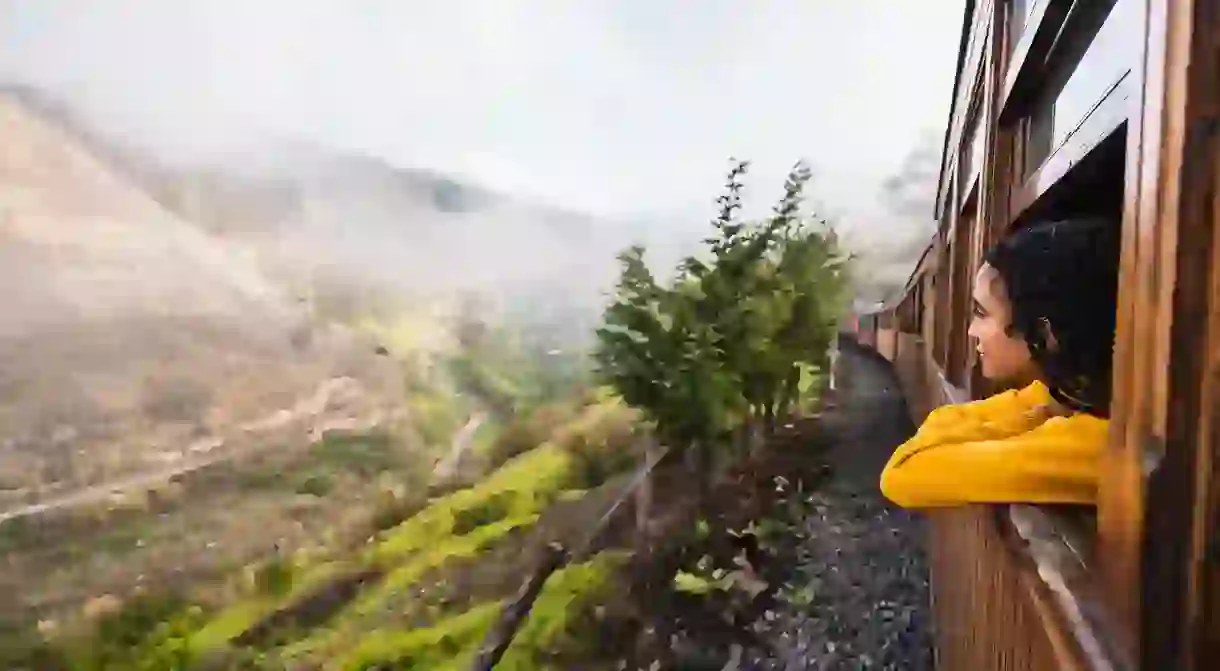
column 130, row 340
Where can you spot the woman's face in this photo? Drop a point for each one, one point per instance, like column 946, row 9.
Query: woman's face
column 1003, row 356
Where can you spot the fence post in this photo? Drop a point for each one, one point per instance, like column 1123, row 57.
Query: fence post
column 501, row 636
column 643, row 500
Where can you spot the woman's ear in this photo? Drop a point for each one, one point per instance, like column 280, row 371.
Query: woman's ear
column 1048, row 335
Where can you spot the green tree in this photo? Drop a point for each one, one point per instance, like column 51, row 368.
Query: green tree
column 729, row 345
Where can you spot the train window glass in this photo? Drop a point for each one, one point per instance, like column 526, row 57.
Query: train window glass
column 973, row 64
column 976, row 147
column 972, row 147
column 1021, row 9
column 1098, row 65
column 1107, row 61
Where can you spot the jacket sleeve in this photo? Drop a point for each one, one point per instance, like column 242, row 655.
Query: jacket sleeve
column 995, row 408
column 1057, row 462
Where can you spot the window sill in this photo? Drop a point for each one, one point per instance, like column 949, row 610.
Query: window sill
column 1055, row 546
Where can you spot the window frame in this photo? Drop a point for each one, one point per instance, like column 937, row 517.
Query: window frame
column 1106, row 115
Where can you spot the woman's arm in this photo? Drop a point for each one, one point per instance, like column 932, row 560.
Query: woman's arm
column 988, row 410
column 1056, row 462
column 998, row 416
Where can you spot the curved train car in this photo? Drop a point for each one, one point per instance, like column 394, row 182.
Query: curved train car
column 1062, row 108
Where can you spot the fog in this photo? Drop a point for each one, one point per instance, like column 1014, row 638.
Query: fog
column 566, row 130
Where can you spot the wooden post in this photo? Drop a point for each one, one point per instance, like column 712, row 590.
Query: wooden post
column 501, row 635
column 643, row 499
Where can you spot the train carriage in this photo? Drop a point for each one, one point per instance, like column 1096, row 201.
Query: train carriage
column 1066, row 108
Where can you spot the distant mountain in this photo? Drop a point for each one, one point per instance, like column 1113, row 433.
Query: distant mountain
column 351, row 228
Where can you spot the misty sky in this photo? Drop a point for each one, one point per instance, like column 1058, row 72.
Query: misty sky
column 626, row 107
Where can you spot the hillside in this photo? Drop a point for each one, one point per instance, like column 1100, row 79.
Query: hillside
column 131, row 340
column 356, row 234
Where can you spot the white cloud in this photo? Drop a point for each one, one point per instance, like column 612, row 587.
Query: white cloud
column 610, row 107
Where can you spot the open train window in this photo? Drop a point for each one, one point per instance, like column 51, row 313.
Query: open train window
column 1093, row 187
column 1077, row 90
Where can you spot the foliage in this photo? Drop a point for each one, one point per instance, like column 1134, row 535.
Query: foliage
column 365, row 454
column 727, row 343
column 527, row 430
column 603, row 442
column 513, row 367
column 274, row 577
column 316, row 484
column 149, row 633
column 554, row 624
column 436, row 415
column 422, row 648
column 527, row 484
column 24, row 649
column 493, row 509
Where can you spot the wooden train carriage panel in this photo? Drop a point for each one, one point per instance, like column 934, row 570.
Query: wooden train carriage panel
column 1067, row 110
column 1159, row 501
column 943, row 282
column 927, row 328
column 963, row 263
column 1055, row 99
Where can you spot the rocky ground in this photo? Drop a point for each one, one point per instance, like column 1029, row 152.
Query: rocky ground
column 861, row 558
column 847, row 583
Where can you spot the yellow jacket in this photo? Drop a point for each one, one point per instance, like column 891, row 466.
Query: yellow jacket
column 1002, row 449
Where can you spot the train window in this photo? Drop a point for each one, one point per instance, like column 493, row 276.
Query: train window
column 1021, row 9
column 973, row 68
column 1092, row 187
column 976, row 148
column 1093, row 63
column 972, row 148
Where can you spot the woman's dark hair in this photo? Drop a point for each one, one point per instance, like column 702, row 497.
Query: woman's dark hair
column 1061, row 279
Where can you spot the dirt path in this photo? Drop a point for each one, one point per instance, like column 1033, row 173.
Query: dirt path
column 860, row 561
column 462, row 441
column 210, row 450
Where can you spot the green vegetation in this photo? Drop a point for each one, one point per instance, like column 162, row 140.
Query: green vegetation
column 367, row 626
column 552, row 628
column 733, row 341
column 703, row 364
column 365, row 454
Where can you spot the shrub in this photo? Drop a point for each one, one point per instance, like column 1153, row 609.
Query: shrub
column 318, row 484
column 150, row 632
column 360, row 453
column 24, row 649
column 274, row 577
column 525, row 432
column 493, row 509
column 602, row 444
column 392, row 510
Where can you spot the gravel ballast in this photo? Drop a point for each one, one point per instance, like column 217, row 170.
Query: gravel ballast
column 856, row 593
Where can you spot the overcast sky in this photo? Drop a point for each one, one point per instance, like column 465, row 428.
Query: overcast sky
column 619, row 107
